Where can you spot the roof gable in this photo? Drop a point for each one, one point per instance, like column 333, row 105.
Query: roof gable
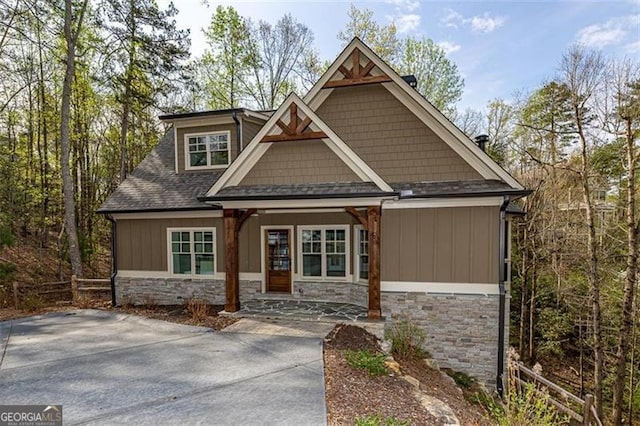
column 356, row 52
column 294, row 121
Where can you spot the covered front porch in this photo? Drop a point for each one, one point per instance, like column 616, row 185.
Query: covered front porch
column 307, row 260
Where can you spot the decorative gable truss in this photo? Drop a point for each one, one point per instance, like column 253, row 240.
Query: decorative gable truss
column 294, row 121
column 358, row 74
column 296, row 130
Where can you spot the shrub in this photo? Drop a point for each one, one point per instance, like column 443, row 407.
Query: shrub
column 527, row 406
column 378, row 420
column 32, row 302
column 6, row 236
column 198, row 309
column 407, row 338
column 365, row 360
column 6, row 271
column 461, row 379
column 83, row 301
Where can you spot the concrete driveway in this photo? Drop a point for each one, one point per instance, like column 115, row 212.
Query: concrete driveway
column 110, row 368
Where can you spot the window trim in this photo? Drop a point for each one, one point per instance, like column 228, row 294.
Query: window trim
column 188, row 166
column 347, row 248
column 356, row 254
column 191, row 230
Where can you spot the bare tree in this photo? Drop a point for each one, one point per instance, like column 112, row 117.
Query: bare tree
column 72, row 26
column 627, row 115
column 582, row 72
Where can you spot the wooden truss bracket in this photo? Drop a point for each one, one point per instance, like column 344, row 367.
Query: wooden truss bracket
column 362, row 218
column 295, row 130
column 357, row 75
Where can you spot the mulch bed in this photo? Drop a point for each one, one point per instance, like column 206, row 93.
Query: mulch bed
column 179, row 314
column 352, row 394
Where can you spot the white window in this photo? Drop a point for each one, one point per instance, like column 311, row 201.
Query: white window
column 207, row 150
column 361, row 260
column 192, row 251
column 324, row 251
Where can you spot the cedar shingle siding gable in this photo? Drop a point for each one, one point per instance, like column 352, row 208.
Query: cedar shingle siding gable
column 309, row 161
column 390, row 138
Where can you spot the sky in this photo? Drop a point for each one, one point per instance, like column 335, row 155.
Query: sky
column 500, row 47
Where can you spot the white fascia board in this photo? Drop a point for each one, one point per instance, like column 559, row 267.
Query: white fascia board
column 168, row 214
column 303, row 204
column 200, row 121
column 255, row 114
column 426, row 203
column 484, row 289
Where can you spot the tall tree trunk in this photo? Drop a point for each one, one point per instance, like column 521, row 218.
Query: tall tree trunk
column 594, row 273
column 71, row 38
column 630, row 281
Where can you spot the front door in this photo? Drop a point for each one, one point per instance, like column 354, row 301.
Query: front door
column 278, row 260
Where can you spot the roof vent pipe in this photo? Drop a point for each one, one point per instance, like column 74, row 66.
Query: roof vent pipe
column 481, row 141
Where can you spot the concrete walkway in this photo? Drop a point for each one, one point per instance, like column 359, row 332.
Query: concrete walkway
column 109, row 368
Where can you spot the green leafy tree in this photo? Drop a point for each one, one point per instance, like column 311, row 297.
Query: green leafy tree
column 228, row 62
column 145, row 59
column 383, row 39
column 438, row 77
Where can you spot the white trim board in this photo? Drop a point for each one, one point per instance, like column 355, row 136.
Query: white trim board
column 303, row 203
column 426, row 203
column 430, row 115
column 244, row 276
column 439, row 288
column 256, row 149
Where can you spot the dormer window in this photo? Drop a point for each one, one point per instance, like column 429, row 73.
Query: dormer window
column 207, row 150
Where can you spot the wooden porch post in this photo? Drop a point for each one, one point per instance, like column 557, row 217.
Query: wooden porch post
column 231, row 260
column 373, row 220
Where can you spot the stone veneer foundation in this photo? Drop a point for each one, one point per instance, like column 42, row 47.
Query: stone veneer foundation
column 462, row 330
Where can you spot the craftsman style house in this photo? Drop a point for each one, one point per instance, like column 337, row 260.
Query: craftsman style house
column 362, row 193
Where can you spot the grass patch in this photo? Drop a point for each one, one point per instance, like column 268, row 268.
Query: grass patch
column 366, row 360
column 407, row 338
column 461, row 379
column 378, row 420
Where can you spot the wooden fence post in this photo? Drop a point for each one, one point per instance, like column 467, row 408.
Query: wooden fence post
column 586, row 417
column 74, row 288
column 15, row 295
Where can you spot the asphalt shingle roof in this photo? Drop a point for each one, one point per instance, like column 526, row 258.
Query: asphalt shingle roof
column 154, row 184
column 455, row 188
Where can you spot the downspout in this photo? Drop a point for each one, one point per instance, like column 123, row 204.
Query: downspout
column 114, row 259
column 502, row 296
column 238, row 131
